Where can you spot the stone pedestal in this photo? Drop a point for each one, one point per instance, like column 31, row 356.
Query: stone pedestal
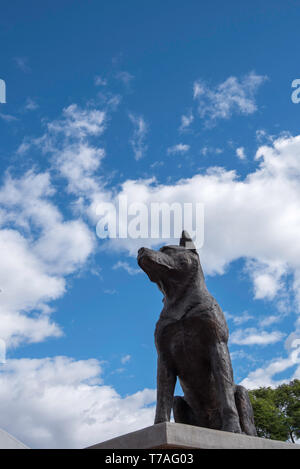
column 7, row 441
column 176, row 435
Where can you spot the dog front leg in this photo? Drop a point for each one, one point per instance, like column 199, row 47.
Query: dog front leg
column 223, row 375
column 166, row 380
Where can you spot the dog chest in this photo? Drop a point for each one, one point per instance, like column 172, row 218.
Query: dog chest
column 188, row 337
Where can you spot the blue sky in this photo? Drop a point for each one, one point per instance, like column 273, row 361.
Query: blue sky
column 159, row 101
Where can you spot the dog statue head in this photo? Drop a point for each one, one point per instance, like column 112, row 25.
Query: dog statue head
column 172, row 267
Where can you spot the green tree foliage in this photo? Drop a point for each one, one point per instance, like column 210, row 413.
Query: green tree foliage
column 277, row 411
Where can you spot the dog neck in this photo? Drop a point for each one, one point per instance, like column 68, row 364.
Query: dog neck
column 180, row 297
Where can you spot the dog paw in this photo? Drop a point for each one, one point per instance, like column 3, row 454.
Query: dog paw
column 232, row 427
column 160, row 420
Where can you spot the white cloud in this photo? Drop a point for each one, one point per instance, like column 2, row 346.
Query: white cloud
column 28, row 199
column 78, row 163
column 125, row 359
column 67, row 140
column 265, row 138
column 242, row 355
column 186, row 121
column 262, row 136
column 156, row 164
column 232, row 96
column 266, row 277
column 269, row 320
column 61, row 403
column 266, row 376
column 179, row 148
column 110, row 291
column 7, row 117
column 125, row 77
column 38, row 248
column 139, row 134
column 241, row 318
column 265, row 286
column 212, row 150
column 25, row 286
column 31, row 105
column 22, row 64
column 79, row 123
column 252, row 336
column 100, row 81
column 240, row 153
column 124, row 265
column 65, row 247
column 109, row 101
column 23, row 148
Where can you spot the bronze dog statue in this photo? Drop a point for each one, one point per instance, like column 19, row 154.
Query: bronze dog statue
column 191, row 338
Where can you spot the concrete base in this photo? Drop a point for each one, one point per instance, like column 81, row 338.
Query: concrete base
column 177, row 435
column 7, row 441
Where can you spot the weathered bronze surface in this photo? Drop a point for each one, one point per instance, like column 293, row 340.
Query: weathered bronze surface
column 191, row 338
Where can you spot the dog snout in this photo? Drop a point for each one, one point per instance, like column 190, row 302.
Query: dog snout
column 141, row 251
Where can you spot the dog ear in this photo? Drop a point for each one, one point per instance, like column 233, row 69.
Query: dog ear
column 186, row 241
